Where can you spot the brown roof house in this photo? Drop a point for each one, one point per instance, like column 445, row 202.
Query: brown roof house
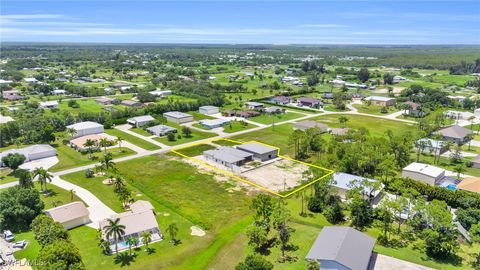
column 470, row 184
column 309, row 102
column 456, row 134
column 70, row 215
column 304, row 125
column 12, row 95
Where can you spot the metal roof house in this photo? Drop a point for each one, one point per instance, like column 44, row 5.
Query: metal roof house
column 70, row 215
column 229, row 157
column 309, row 102
column 424, row 173
column 32, row 152
column 161, row 130
column 381, row 101
column 343, row 182
column 208, row 110
column 86, row 128
column 342, row 248
column 260, row 151
column 455, row 133
column 214, row 123
column 178, row 117
column 49, row 104
column 254, row 105
column 139, row 121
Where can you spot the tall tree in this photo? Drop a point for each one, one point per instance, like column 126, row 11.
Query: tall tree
column 43, row 176
column 114, row 229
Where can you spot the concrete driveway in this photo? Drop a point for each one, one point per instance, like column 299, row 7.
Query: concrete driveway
column 45, row 163
column 382, row 262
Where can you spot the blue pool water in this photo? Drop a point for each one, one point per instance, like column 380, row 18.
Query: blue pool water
column 452, row 187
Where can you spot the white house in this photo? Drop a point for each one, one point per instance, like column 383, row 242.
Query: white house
column 423, row 172
column 70, row 215
column 139, row 121
column 49, row 104
column 86, row 128
column 254, row 105
column 178, row 117
column 208, row 110
column 32, row 152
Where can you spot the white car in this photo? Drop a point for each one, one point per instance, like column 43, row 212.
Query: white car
column 8, row 235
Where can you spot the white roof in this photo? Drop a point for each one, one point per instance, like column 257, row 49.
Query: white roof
column 252, row 103
column 84, row 125
column 134, row 222
column 379, row 98
column 5, row 119
column 209, row 107
column 425, row 169
column 68, row 212
column 176, row 114
column 49, row 103
column 213, row 122
column 143, row 118
column 30, row 80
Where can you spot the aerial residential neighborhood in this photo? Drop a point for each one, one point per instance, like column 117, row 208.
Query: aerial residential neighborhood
column 256, row 135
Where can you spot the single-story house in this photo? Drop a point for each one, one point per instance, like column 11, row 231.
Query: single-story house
column 458, row 115
column 244, row 114
column 470, row 184
column 178, row 117
column 104, row 100
column 2, row 81
column 342, row 248
column 424, row 173
column 12, row 95
column 208, row 110
column 309, row 102
column 49, row 104
column 343, row 182
column 161, row 93
column 119, row 85
column 339, row 131
column 274, row 110
column 254, row 105
column 131, row 103
column 139, row 219
column 70, row 215
column 327, row 95
column 161, row 130
column 214, row 123
column 476, row 162
column 455, row 133
column 140, row 121
column 86, row 128
column 281, row 100
column 381, row 101
column 414, row 109
column 304, row 125
column 79, row 142
column 432, row 146
column 457, row 98
column 260, row 151
column 5, row 119
column 31, row 80
column 59, row 92
column 228, row 156
column 32, row 152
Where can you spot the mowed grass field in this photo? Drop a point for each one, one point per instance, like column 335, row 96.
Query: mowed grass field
column 132, row 139
column 195, row 136
column 268, row 119
column 373, row 109
column 180, row 194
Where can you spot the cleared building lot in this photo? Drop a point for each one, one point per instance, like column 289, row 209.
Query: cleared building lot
column 382, row 262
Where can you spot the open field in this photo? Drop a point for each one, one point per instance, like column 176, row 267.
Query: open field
column 132, row 139
column 268, row 119
column 373, row 109
column 180, row 138
column 236, row 126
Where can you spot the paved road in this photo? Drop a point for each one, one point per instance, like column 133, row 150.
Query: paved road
column 126, row 128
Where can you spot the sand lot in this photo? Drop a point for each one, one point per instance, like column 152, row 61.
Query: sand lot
column 277, row 176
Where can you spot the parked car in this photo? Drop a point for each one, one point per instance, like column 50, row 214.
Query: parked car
column 8, row 236
column 20, row 244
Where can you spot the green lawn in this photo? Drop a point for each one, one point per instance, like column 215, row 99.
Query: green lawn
column 222, row 214
column 199, row 116
column 71, row 158
column 141, row 131
column 373, row 109
column 7, row 176
column 132, row 139
column 268, row 119
column 195, row 150
column 195, row 136
column 56, row 196
column 236, row 126
column 197, row 125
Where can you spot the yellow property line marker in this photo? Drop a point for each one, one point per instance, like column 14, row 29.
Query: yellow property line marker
column 329, row 172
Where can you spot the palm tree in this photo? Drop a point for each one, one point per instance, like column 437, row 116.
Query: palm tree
column 172, row 230
column 130, row 243
column 146, row 239
column 71, row 132
column 89, row 143
column 107, row 163
column 114, row 229
column 104, row 142
column 459, row 169
column 72, row 194
column 343, row 120
column 24, row 178
column 118, row 183
column 119, row 140
column 43, row 177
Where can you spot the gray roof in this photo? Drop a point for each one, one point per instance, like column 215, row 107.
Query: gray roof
column 176, row 114
column 84, row 125
column 159, row 129
column 345, row 181
column 256, row 148
column 228, row 154
column 208, row 107
column 252, row 103
column 141, row 119
column 455, row 131
column 29, row 150
column 343, row 245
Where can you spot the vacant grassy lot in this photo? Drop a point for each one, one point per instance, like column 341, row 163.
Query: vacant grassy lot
column 235, row 126
column 70, row 158
column 268, row 119
column 132, row 139
column 195, row 136
column 180, row 194
column 373, row 109
column 141, row 131
column 195, row 150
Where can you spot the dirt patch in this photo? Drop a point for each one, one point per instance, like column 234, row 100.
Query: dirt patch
column 396, row 90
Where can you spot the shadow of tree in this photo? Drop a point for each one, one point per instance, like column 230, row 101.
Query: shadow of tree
column 124, row 259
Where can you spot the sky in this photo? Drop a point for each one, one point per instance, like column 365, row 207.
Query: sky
column 246, row 22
